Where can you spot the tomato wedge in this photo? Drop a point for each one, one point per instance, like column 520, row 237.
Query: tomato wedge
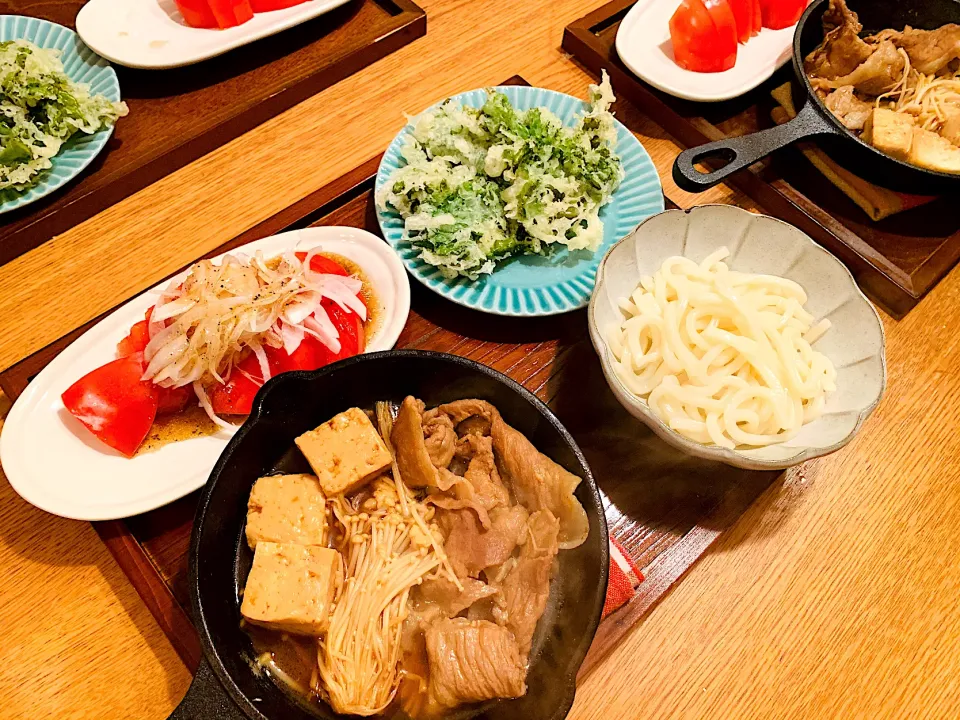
column 322, row 264
column 779, row 14
column 172, row 400
column 268, row 5
column 757, row 17
column 138, row 337
column 114, row 403
column 743, row 14
column 197, row 13
column 230, row 13
column 698, row 45
column 726, row 23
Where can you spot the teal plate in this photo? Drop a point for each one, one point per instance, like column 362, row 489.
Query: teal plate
column 82, row 65
column 532, row 286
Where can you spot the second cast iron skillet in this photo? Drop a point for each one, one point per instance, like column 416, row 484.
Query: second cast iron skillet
column 815, row 121
column 226, row 687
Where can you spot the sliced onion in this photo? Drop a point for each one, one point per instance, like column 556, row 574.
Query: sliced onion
column 292, row 336
column 320, row 326
column 171, row 309
column 261, row 358
column 169, row 352
column 160, row 340
column 207, row 407
column 301, row 308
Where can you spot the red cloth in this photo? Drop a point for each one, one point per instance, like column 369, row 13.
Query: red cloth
column 625, row 576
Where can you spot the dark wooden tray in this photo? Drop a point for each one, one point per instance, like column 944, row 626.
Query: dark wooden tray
column 178, row 115
column 896, row 261
column 664, row 508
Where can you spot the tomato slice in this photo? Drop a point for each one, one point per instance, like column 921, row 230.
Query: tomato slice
column 743, row 14
column 230, row 13
column 779, row 14
column 757, row 17
column 350, row 327
column 726, row 24
column 268, row 5
column 172, row 400
column 114, row 403
column 697, row 43
column 137, row 339
column 321, row 264
column 197, row 13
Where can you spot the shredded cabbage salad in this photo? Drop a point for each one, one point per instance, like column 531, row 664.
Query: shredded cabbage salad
column 481, row 185
column 40, row 109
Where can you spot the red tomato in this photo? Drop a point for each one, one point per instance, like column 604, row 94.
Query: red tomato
column 235, row 397
column 757, row 18
column 350, row 327
column 726, row 23
column 172, row 400
column 230, row 13
column 137, row 339
column 268, row 5
column 697, row 43
column 743, row 14
column 321, row 264
column 779, row 14
column 197, row 13
column 114, row 403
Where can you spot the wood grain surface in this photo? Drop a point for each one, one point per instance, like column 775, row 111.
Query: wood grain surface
column 833, row 597
column 896, row 261
column 178, row 115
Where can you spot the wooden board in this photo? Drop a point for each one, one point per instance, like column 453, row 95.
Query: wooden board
column 665, row 508
column 896, row 261
column 180, row 114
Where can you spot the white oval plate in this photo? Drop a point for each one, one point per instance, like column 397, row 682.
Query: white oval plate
column 151, row 34
column 57, row 465
column 643, row 43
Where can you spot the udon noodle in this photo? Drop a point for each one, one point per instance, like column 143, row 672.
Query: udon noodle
column 723, row 357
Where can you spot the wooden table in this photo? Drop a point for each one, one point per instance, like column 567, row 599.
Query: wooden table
column 834, row 596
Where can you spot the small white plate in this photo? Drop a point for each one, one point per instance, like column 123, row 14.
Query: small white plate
column 151, row 34
column 57, row 465
column 643, row 43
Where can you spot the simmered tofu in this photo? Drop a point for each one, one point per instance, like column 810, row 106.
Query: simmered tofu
column 931, row 151
column 890, row 132
column 344, row 452
column 291, row 587
column 286, row 509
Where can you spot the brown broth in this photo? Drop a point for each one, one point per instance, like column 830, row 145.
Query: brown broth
column 189, row 423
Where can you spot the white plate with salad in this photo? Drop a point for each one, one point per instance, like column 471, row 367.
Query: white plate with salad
column 504, row 200
column 155, row 34
column 130, row 417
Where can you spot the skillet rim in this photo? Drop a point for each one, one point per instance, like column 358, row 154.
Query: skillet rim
column 211, row 654
column 817, row 7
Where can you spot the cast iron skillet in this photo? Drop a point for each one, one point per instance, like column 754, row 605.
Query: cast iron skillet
column 225, row 687
column 815, row 121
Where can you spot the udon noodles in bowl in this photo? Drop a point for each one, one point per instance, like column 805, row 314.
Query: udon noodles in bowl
column 407, row 573
column 737, row 338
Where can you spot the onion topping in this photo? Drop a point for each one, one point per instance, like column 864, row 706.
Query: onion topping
column 202, row 327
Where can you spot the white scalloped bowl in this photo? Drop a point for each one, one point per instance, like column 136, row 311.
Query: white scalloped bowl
column 757, row 244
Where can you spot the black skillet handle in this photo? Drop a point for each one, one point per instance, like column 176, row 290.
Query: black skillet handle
column 206, row 699
column 741, row 152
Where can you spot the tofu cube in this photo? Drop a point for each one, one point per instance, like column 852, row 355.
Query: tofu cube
column 345, row 452
column 286, row 509
column 931, row 151
column 890, row 132
column 291, row 587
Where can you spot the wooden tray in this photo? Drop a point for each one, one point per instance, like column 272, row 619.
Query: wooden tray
column 178, row 115
column 896, row 261
column 664, row 508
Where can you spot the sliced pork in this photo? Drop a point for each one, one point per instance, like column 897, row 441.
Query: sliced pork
column 472, row 661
